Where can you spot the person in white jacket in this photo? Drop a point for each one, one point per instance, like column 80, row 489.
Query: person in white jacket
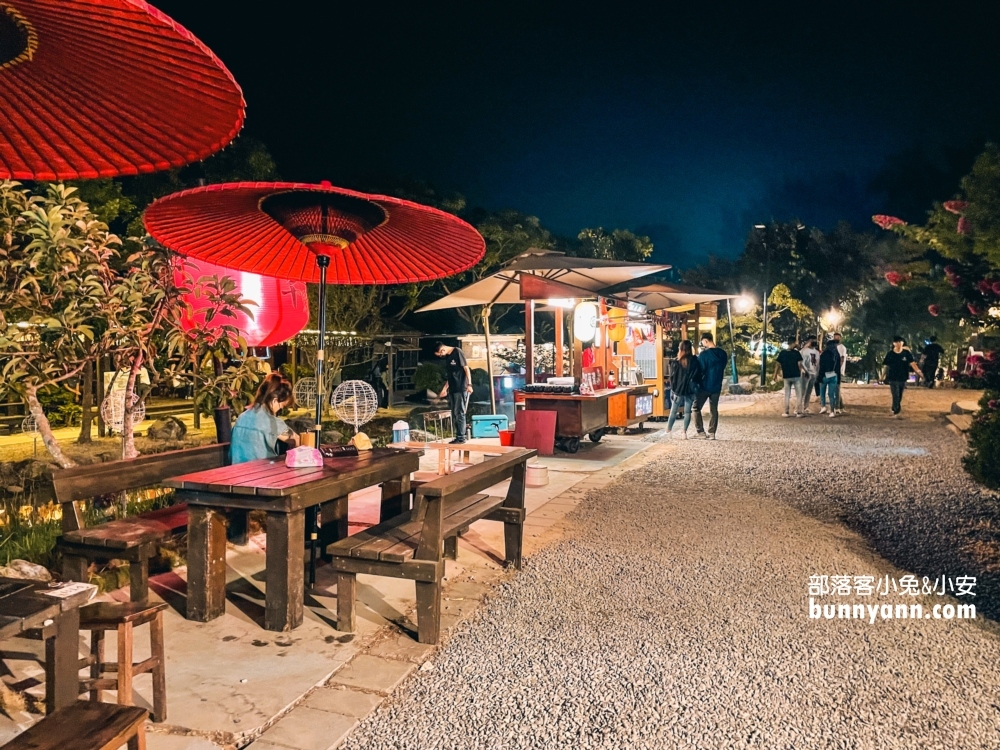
column 810, row 368
column 842, row 351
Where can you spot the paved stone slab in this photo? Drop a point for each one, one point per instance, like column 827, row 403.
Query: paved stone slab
column 157, row 741
column 343, row 700
column 402, row 647
column 306, row 728
column 373, row 673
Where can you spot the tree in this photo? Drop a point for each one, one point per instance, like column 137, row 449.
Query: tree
column 619, row 244
column 55, row 291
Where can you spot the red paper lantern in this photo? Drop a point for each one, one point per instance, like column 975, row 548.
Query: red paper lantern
column 280, row 309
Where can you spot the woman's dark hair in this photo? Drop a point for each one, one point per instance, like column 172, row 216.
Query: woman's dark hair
column 274, row 386
column 684, row 350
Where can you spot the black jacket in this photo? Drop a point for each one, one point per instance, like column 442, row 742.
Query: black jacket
column 685, row 381
column 829, row 361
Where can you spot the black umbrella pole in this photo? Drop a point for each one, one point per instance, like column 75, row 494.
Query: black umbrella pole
column 323, row 262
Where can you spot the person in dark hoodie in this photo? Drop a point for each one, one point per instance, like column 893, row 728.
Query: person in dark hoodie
column 713, row 369
column 829, row 372
column 685, row 380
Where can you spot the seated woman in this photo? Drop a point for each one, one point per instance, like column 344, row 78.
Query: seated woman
column 258, row 429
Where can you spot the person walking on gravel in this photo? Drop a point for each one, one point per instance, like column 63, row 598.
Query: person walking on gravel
column 930, row 360
column 713, row 369
column 810, row 371
column 829, row 372
column 842, row 351
column 898, row 363
column 790, row 364
column 685, row 380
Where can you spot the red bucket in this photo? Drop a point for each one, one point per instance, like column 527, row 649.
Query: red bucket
column 506, row 437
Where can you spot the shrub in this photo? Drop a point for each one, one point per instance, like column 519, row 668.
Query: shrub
column 983, row 459
column 428, row 377
column 480, row 377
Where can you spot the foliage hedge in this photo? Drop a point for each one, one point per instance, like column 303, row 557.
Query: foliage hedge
column 983, row 459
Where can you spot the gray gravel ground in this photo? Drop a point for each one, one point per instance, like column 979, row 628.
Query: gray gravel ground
column 673, row 612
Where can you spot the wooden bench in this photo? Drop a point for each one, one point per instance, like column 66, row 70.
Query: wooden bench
column 133, row 539
column 414, row 544
column 85, row 726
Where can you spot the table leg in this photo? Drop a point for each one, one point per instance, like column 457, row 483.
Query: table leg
column 395, row 498
column 334, row 526
column 206, row 586
column 285, row 570
column 62, row 662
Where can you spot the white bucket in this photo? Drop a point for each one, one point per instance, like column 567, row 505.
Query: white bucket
column 536, row 475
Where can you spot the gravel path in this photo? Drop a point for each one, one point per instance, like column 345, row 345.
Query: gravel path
column 673, row 613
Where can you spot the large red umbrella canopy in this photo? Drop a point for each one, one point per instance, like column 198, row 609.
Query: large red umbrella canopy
column 315, row 233
column 100, row 88
column 278, row 229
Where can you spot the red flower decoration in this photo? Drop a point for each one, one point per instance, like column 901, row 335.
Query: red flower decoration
column 949, row 270
column 934, row 310
column 993, row 403
column 888, row 222
column 955, row 280
column 984, row 286
column 894, row 278
column 956, row 207
column 975, row 309
column 996, row 288
column 964, row 227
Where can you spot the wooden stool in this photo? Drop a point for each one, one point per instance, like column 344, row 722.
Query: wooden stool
column 123, row 617
column 86, row 726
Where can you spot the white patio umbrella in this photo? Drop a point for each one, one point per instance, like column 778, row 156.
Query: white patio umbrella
column 504, row 286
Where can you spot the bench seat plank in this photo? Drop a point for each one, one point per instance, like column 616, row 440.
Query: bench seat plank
column 83, row 725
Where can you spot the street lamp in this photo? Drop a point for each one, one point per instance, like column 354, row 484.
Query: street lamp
column 743, row 304
column 767, row 287
column 767, row 290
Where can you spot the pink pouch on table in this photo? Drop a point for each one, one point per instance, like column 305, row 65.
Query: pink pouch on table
column 303, row 457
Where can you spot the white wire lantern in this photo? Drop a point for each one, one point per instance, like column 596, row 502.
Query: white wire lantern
column 355, row 402
column 113, row 410
column 305, row 392
column 29, row 425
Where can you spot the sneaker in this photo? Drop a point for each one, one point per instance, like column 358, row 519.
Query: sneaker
column 786, row 414
column 899, row 416
column 711, row 436
column 823, row 410
column 685, row 434
column 798, row 414
column 833, row 414
column 457, row 441
column 700, row 435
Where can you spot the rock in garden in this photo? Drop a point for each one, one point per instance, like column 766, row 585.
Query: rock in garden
column 168, row 428
column 26, row 570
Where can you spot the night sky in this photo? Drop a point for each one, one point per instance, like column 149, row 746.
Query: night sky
column 685, row 124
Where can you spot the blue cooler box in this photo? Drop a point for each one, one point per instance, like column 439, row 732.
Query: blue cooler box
column 488, row 425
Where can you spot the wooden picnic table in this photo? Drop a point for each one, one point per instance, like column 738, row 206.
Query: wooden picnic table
column 25, row 607
column 284, row 494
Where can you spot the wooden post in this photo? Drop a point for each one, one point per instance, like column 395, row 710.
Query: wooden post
column 285, row 562
column 529, row 341
column 206, row 586
column 62, row 661
column 395, row 498
column 558, row 351
column 661, row 364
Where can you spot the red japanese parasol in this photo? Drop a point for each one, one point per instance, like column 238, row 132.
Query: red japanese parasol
column 315, row 233
column 99, row 88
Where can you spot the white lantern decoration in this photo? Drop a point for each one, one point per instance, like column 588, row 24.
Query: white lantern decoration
column 355, row 402
column 113, row 410
column 585, row 321
column 305, row 392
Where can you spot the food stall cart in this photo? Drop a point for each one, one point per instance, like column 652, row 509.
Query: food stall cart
column 682, row 312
